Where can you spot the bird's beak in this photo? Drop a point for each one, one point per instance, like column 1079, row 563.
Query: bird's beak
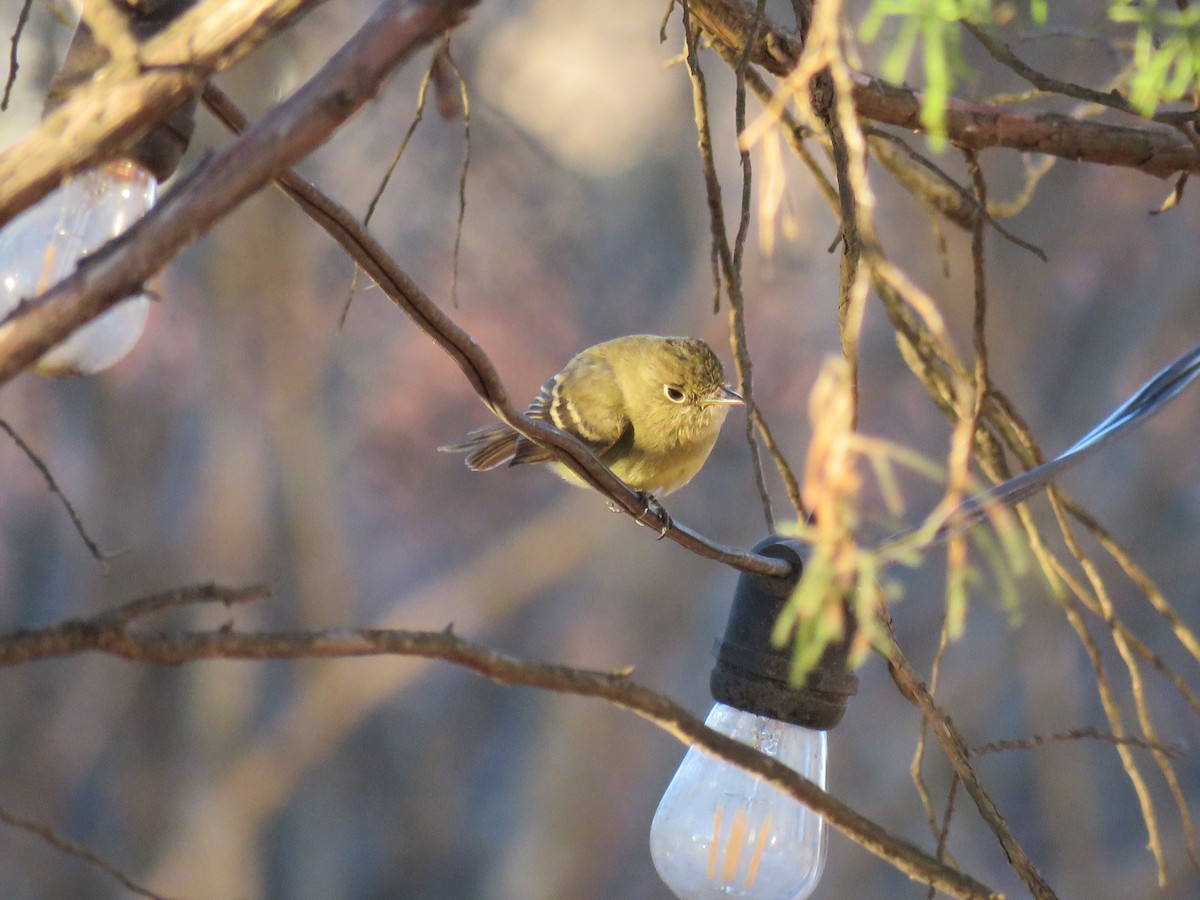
column 725, row 395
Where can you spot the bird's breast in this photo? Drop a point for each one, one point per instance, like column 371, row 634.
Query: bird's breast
column 659, row 472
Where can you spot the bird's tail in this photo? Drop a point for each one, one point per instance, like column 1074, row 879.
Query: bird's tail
column 487, row 447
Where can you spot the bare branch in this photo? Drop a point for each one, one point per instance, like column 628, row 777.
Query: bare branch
column 128, row 96
column 442, row 60
column 720, row 254
column 737, row 300
column 216, row 186
column 107, row 634
column 937, row 188
column 727, row 260
column 223, row 108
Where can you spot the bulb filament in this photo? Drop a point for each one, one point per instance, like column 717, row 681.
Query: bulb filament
column 740, row 830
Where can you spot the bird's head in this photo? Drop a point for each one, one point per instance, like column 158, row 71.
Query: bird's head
column 684, row 391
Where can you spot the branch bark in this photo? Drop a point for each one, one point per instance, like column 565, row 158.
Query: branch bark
column 1158, row 151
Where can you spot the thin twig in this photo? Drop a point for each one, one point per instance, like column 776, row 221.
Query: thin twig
column 726, row 260
column 963, row 439
column 1186, row 637
column 666, row 19
column 1112, row 709
column 418, row 116
column 1038, row 741
column 712, row 185
column 444, row 53
column 184, row 596
column 1072, row 583
column 14, row 42
column 944, row 832
column 918, row 761
column 1137, row 690
column 733, row 277
column 1004, row 55
column 965, row 211
column 69, row 847
column 741, row 353
column 93, row 548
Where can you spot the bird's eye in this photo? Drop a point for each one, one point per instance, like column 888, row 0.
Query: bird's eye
column 674, row 394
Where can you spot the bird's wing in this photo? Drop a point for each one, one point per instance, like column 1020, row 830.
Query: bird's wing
column 588, row 384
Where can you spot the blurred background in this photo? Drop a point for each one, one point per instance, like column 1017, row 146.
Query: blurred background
column 247, row 439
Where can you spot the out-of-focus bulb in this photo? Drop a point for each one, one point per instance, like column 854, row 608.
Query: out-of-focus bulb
column 721, row 832
column 42, row 245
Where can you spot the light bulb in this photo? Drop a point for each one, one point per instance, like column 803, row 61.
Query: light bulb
column 721, row 832
column 42, row 245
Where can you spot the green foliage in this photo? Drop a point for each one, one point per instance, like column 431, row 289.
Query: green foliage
column 1166, row 47
column 934, row 24
column 842, row 575
column 1166, row 51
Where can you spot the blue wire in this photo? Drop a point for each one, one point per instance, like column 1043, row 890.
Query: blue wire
column 1152, row 397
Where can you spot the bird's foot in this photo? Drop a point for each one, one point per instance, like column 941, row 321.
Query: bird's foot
column 657, row 513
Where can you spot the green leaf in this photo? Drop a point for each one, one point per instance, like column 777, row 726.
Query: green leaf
column 1166, row 52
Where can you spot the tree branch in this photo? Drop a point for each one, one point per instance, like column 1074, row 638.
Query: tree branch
column 108, row 633
column 288, row 133
column 127, row 97
column 1156, row 151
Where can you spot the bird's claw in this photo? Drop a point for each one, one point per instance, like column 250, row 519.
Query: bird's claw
column 659, row 517
column 654, row 515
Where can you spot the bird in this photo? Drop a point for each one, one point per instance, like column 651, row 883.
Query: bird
column 649, row 407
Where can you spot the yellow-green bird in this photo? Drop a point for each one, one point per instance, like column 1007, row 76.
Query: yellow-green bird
column 650, row 407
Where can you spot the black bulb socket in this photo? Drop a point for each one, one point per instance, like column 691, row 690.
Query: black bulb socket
column 753, row 675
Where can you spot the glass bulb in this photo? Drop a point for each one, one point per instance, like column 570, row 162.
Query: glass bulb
column 42, row 245
column 721, row 832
